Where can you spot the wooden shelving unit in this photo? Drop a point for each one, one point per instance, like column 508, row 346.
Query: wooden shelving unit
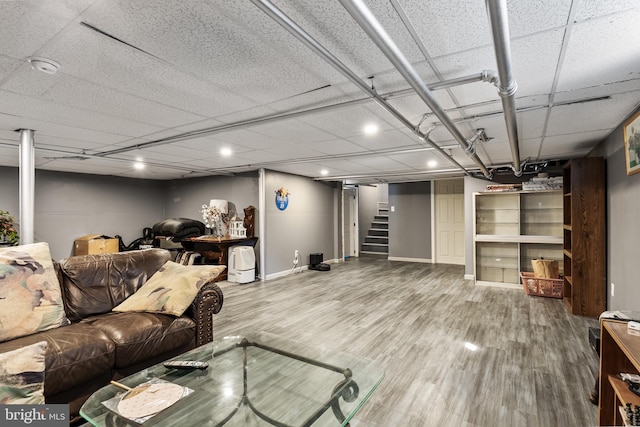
column 511, row 229
column 619, row 353
column 584, row 235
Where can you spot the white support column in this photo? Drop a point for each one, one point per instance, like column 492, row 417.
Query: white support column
column 27, row 186
column 262, row 211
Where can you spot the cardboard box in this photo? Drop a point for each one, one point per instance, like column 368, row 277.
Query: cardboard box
column 95, row 244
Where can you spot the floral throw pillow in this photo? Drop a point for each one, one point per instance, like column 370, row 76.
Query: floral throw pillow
column 30, row 295
column 22, row 375
column 171, row 289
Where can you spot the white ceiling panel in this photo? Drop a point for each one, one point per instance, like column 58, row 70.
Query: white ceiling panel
column 338, row 146
column 444, row 28
column 566, row 146
column 50, row 111
column 593, row 60
column 590, row 116
column 347, row 122
column 165, row 68
column 530, row 148
column 589, row 9
column 26, row 28
column 391, row 139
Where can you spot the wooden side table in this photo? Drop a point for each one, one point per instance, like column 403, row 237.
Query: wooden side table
column 619, row 353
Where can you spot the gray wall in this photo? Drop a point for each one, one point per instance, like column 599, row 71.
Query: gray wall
column 471, row 185
column 307, row 225
column 410, row 223
column 623, row 227
column 69, row 205
column 184, row 198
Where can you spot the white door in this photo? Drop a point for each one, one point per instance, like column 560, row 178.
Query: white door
column 350, row 222
column 449, row 221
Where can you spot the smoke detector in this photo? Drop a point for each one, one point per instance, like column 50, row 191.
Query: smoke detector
column 45, row 65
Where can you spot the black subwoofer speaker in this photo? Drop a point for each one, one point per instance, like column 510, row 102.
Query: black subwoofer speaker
column 315, row 259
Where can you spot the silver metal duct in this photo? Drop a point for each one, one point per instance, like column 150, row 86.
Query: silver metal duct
column 497, row 11
column 484, row 76
column 365, row 18
column 281, row 18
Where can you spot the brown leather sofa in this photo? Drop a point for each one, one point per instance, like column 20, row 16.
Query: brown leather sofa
column 100, row 345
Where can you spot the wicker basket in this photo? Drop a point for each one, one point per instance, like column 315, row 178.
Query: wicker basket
column 541, row 287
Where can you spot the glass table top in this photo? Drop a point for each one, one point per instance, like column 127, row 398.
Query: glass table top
column 256, row 379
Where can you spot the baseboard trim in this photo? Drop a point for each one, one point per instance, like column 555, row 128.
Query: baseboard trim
column 420, row 260
column 469, row 277
column 499, row 285
column 286, row 272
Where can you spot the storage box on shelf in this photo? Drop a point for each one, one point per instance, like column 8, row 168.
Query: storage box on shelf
column 541, row 287
column 513, row 228
column 92, row 244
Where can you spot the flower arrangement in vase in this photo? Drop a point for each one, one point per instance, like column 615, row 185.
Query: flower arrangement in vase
column 8, row 232
column 215, row 220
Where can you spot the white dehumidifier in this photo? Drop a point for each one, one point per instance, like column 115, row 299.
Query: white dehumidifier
column 242, row 264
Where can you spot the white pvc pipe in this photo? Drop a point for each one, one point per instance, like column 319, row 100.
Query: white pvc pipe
column 27, row 186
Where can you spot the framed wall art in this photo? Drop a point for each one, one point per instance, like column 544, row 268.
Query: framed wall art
column 632, row 143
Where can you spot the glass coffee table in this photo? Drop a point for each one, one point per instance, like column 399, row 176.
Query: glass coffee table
column 253, row 380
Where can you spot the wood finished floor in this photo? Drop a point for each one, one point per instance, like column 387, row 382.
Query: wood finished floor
column 533, row 366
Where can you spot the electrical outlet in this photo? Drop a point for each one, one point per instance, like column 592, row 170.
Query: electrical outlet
column 296, row 253
column 613, row 289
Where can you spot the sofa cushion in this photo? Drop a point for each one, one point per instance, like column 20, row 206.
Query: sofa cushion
column 140, row 336
column 75, row 354
column 22, row 375
column 94, row 284
column 30, row 294
column 171, row 289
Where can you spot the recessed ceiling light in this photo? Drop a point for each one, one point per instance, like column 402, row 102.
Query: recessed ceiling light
column 226, row 152
column 45, row 65
column 139, row 166
column 324, row 172
column 432, row 163
column 370, row 129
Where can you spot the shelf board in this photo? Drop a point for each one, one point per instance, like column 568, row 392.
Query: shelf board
column 567, row 227
column 567, row 253
column 621, row 390
column 569, row 279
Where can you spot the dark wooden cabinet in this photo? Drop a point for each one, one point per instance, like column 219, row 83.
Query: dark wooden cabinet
column 585, row 251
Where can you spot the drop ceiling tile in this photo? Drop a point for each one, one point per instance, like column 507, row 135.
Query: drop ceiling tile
column 247, row 138
column 337, row 147
column 416, row 160
column 214, row 41
column 96, row 58
column 26, row 28
column 348, row 122
column 7, row 66
column 530, row 149
column 528, row 17
column 50, row 111
column 445, row 28
column 293, row 131
column 610, row 89
column 82, row 94
column 387, row 140
column 572, row 145
column 293, row 151
column 591, row 116
column 10, row 123
column 589, row 9
column 594, row 60
column 380, row 163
